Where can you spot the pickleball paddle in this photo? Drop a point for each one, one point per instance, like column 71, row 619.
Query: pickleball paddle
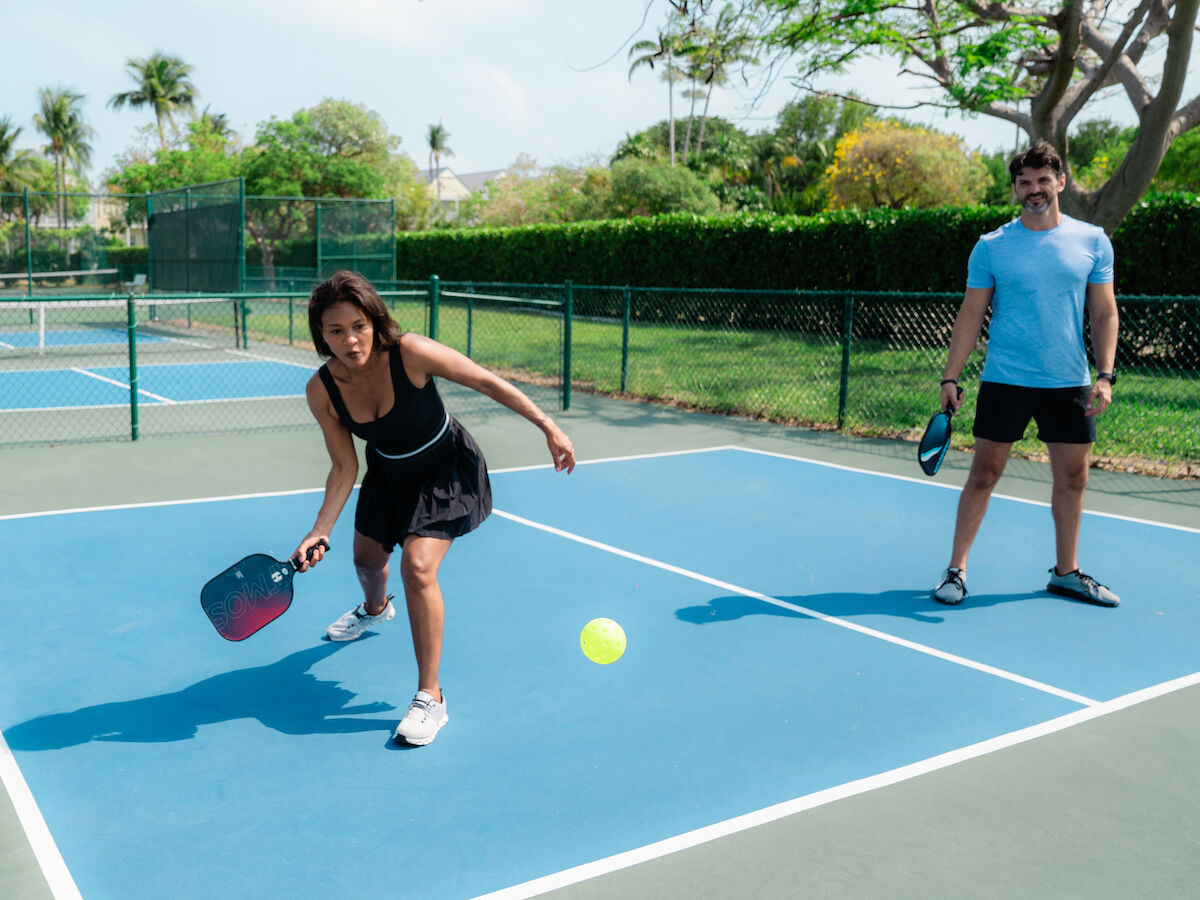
column 936, row 440
column 250, row 594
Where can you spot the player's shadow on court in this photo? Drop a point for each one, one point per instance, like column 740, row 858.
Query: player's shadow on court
column 284, row 696
column 917, row 605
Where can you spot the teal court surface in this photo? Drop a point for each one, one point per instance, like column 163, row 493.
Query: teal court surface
column 785, row 663
column 84, row 387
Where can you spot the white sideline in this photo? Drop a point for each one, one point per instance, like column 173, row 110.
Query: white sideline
column 810, row 801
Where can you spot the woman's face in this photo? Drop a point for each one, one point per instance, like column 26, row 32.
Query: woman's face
column 349, row 333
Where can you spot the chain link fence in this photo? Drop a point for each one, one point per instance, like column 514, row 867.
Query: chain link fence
column 868, row 363
column 68, row 243
column 864, row 364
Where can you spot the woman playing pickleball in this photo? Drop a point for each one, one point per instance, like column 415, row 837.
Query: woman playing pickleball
column 426, row 481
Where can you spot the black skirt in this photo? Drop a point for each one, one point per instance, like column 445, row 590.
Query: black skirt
column 442, row 492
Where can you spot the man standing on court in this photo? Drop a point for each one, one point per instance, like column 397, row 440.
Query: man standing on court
column 1038, row 273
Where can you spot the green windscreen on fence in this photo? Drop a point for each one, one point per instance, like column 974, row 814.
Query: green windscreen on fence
column 357, row 235
column 195, row 237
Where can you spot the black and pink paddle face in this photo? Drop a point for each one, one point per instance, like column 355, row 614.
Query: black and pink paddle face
column 250, row 594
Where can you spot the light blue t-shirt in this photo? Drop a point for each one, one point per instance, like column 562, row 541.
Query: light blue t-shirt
column 1040, row 281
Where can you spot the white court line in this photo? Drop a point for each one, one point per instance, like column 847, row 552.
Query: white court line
column 147, row 504
column 54, row 868
column 812, row 613
column 927, row 483
column 282, row 362
column 829, row 795
column 120, row 384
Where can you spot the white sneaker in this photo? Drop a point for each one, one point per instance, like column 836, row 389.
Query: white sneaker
column 354, row 623
column 952, row 589
column 423, row 720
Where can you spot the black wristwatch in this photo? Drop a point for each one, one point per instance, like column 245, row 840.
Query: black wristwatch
column 1110, row 377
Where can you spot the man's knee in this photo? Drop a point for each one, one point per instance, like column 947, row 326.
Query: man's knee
column 984, row 475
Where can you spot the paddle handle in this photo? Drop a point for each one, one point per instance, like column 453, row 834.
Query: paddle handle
column 949, row 410
column 309, row 555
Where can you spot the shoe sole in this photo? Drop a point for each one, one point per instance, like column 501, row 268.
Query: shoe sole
column 1083, row 598
column 361, row 632
column 344, row 637
column 401, row 739
column 957, row 602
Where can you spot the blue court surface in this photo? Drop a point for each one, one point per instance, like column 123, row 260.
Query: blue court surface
column 97, row 386
column 782, row 646
column 73, row 337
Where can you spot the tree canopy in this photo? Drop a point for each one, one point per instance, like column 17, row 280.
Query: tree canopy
column 1037, row 64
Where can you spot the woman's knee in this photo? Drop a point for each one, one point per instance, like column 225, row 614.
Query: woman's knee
column 418, row 569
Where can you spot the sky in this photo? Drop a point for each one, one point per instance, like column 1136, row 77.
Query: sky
column 545, row 78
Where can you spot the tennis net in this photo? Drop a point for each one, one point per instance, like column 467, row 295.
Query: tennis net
column 81, row 330
column 18, row 284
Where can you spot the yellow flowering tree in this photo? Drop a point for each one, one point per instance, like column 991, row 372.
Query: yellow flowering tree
column 891, row 164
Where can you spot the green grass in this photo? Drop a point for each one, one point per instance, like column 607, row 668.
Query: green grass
column 782, row 377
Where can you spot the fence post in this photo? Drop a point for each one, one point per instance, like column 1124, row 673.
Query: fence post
column 844, row 387
column 28, row 248
column 626, row 304
column 131, row 324
column 568, row 306
column 470, row 317
column 434, row 290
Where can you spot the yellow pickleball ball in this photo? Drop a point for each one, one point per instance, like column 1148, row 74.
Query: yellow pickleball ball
column 602, row 641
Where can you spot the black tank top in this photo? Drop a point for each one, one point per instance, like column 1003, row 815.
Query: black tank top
column 416, row 419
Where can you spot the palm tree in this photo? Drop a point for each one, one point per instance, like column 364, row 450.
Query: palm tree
column 647, row 53
column 16, row 166
column 162, row 84
column 438, row 140
column 61, row 120
column 717, row 49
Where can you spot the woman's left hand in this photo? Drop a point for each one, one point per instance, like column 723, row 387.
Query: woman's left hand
column 561, row 450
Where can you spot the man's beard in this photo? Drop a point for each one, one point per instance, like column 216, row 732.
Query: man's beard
column 1037, row 207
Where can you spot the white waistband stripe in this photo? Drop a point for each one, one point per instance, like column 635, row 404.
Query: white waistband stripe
column 433, row 440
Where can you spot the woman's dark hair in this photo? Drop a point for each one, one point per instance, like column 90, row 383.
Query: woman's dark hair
column 1040, row 156
column 350, row 287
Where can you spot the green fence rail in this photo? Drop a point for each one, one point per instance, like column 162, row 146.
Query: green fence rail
column 858, row 363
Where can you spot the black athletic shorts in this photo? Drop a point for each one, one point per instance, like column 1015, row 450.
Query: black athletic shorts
column 1003, row 411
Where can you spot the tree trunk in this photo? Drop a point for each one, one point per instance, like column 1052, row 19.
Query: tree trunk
column 687, row 138
column 670, row 109
column 703, row 122
column 60, row 179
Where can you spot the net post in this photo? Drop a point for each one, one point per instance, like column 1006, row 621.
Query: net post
column 844, row 385
column 434, row 291
column 245, row 334
column 626, row 305
column 131, row 324
column 568, row 305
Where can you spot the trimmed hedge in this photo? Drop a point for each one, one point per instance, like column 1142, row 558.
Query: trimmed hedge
column 889, row 250
column 905, row 250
